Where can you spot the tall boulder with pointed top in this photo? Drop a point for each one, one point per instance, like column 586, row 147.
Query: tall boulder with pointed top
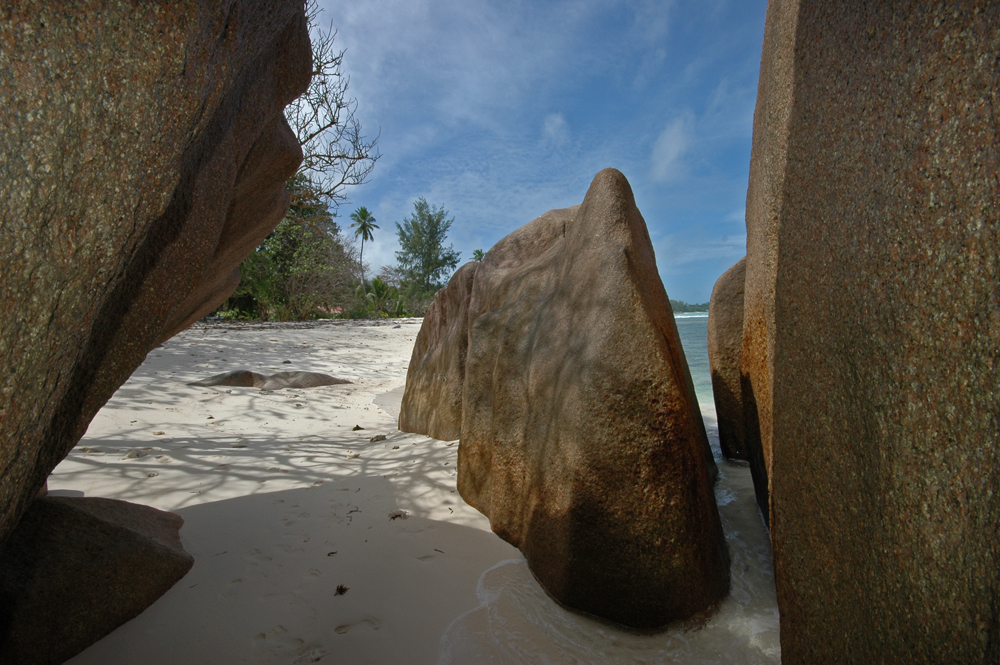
column 581, row 436
column 725, row 341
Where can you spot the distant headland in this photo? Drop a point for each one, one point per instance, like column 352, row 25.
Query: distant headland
column 681, row 306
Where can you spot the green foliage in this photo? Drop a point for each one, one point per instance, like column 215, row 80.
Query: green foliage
column 303, row 270
column 478, row 254
column 364, row 224
column 391, row 275
column 383, row 300
column 681, row 306
column 423, row 258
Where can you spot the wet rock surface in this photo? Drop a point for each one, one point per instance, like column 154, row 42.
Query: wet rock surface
column 75, row 569
column 872, row 327
column 581, row 436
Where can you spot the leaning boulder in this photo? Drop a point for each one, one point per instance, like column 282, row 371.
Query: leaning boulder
column 432, row 399
column 75, row 569
column 581, row 437
column 725, row 340
column 131, row 178
column 259, row 202
column 142, row 149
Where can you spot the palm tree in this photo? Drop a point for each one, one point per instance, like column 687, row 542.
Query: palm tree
column 364, row 224
column 477, row 255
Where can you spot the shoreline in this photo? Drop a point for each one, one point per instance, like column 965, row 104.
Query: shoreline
column 283, row 501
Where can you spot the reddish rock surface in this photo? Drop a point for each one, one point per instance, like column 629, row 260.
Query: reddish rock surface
column 432, row 399
column 259, row 201
column 75, row 569
column 143, row 150
column 872, row 331
column 725, row 340
column 581, row 437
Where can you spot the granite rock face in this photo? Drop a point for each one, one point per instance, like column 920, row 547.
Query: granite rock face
column 143, row 150
column 581, row 437
column 725, row 341
column 75, row 569
column 432, row 399
column 259, row 201
column 872, row 327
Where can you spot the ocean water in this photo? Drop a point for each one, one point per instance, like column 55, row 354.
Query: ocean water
column 516, row 622
column 693, row 329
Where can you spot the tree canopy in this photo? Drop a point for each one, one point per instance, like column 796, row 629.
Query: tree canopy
column 303, row 268
column 681, row 306
column 423, row 258
column 364, row 225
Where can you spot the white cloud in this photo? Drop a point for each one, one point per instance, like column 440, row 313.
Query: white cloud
column 737, row 216
column 730, row 109
column 674, row 251
column 451, row 60
column 555, row 129
column 467, row 97
column 670, row 149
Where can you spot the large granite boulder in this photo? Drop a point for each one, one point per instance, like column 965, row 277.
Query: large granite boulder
column 725, row 341
column 142, row 150
column 432, row 399
column 872, row 331
column 581, row 437
column 75, row 569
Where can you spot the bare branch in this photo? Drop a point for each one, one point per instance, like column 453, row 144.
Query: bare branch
column 337, row 155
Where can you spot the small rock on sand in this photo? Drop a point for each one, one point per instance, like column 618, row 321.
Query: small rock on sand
column 247, row 379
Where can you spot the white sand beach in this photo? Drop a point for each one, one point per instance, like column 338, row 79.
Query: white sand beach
column 284, row 501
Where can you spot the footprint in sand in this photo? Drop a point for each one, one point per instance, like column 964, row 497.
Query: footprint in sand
column 278, row 642
column 231, row 591
column 311, row 655
column 366, row 624
column 256, row 556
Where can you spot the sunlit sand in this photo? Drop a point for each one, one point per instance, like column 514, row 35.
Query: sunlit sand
column 284, row 501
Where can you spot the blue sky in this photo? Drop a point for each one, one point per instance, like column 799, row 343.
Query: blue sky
column 499, row 111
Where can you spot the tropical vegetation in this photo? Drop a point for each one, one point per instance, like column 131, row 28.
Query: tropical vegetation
column 681, row 306
column 364, row 224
